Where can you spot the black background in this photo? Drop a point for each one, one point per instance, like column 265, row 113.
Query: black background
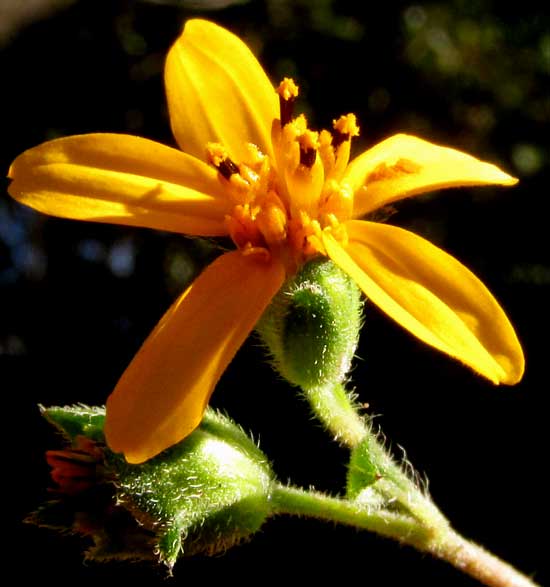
column 472, row 75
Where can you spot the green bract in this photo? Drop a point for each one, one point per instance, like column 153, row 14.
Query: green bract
column 363, row 470
column 202, row 495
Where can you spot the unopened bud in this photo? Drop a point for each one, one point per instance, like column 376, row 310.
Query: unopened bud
column 204, row 494
column 312, row 326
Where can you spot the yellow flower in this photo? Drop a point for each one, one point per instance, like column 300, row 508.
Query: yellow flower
column 251, row 170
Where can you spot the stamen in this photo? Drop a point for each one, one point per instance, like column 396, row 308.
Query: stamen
column 288, row 92
column 219, row 157
column 255, row 158
column 309, row 144
column 265, row 221
column 307, row 157
column 344, row 128
column 227, row 168
column 295, row 128
column 326, row 150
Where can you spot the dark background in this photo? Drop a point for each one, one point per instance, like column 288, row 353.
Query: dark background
column 77, row 299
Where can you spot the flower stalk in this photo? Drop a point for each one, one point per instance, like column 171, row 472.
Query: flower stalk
column 383, row 497
column 387, row 500
column 311, row 330
column 333, row 406
column 441, row 542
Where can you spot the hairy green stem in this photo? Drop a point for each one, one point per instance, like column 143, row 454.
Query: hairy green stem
column 411, row 517
column 441, row 542
column 336, row 410
column 477, row 562
column 312, row 504
column 334, row 407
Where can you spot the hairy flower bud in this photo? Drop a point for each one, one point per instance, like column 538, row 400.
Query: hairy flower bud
column 312, row 326
column 204, row 494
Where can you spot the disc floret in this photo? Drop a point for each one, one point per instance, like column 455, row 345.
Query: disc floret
column 283, row 204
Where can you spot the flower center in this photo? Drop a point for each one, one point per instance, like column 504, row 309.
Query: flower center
column 282, row 205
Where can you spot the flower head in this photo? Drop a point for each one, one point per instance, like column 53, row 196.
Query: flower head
column 206, row 494
column 250, row 169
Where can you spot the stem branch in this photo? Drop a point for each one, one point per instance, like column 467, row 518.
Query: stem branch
column 414, row 519
column 477, row 562
column 442, row 543
column 333, row 406
column 311, row 504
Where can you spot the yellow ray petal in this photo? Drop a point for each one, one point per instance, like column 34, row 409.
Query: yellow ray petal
column 121, row 179
column 432, row 295
column 218, row 92
column 404, row 166
column 163, row 393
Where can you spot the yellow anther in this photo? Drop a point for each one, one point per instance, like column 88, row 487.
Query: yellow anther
column 287, row 89
column 308, row 140
column 243, row 179
column 216, row 153
column 256, row 156
column 344, row 128
column 346, row 125
column 295, row 128
column 297, row 232
column 303, row 173
column 284, row 209
column 309, row 143
column 218, row 156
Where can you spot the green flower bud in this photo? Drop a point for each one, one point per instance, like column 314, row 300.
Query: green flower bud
column 204, row 494
column 312, row 326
